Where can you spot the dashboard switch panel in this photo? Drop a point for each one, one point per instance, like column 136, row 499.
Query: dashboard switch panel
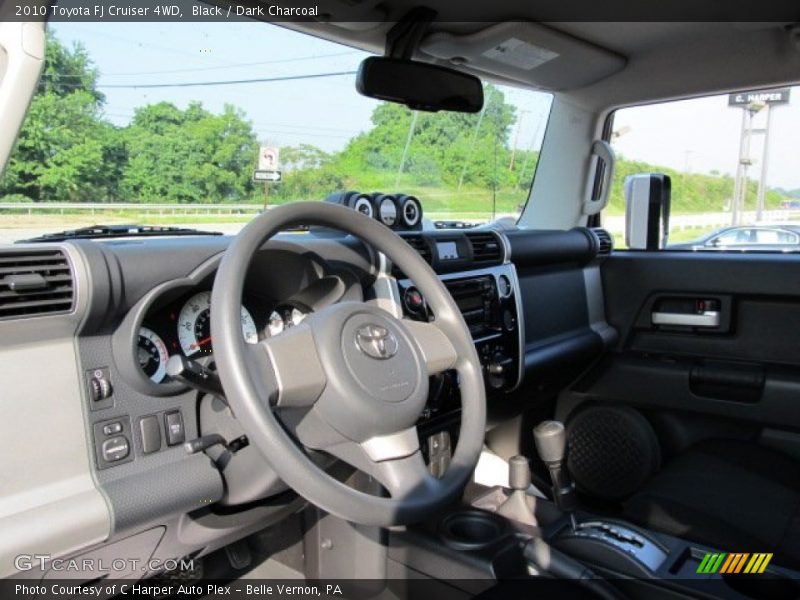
column 115, row 448
column 150, row 432
column 113, row 442
column 175, row 432
column 99, row 388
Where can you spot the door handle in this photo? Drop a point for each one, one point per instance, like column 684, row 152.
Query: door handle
column 708, row 318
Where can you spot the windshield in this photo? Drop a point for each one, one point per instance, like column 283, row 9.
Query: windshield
column 191, row 124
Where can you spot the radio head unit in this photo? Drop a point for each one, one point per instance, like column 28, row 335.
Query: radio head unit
column 487, row 300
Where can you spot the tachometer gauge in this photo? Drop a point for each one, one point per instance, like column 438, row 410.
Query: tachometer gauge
column 194, row 325
column 152, row 354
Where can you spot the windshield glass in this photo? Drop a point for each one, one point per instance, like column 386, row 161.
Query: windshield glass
column 167, row 124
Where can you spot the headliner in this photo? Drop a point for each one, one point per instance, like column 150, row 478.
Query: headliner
column 665, row 60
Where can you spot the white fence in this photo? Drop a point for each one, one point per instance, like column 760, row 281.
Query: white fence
column 616, row 223
column 141, row 208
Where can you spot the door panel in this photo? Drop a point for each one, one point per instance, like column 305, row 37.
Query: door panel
column 733, row 375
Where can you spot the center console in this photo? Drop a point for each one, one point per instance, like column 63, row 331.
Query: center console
column 487, row 297
column 508, row 533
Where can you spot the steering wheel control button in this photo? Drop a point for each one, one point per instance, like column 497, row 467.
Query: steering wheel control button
column 116, row 448
column 175, row 432
column 150, row 432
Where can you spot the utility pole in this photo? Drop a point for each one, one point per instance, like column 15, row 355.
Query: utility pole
column 474, row 138
column 762, row 182
column 522, row 114
column 407, row 146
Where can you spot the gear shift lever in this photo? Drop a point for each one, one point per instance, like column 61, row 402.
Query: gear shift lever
column 551, row 444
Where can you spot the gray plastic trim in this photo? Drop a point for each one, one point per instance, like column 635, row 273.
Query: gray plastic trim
column 595, row 305
column 49, row 502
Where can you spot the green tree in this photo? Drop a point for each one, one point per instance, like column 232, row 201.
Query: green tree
column 443, row 145
column 188, row 155
column 65, row 150
column 67, row 70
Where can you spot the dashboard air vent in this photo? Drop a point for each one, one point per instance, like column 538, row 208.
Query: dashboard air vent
column 418, row 243
column 35, row 283
column 486, row 247
column 605, row 243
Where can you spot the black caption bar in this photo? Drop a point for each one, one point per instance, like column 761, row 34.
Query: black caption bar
column 346, row 11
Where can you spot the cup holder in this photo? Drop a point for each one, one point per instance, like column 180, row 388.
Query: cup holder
column 471, row 530
column 767, row 586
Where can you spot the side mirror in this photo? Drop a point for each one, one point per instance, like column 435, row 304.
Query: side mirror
column 647, row 202
column 418, row 85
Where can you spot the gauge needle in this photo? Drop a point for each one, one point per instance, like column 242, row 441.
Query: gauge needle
column 202, row 342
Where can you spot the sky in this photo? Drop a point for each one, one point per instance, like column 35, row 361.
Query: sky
column 698, row 135
column 325, row 112
column 702, row 135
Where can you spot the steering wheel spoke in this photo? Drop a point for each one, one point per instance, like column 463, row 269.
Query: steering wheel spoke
column 394, row 460
column 437, row 350
column 291, row 366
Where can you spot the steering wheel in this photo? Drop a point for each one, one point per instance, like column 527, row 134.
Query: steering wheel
column 350, row 380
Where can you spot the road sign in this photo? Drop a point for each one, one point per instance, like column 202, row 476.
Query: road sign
column 776, row 96
column 268, row 158
column 264, row 175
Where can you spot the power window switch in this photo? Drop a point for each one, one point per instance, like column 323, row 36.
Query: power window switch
column 175, row 432
column 150, row 430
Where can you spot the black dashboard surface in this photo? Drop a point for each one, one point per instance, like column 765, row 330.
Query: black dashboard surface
column 147, row 283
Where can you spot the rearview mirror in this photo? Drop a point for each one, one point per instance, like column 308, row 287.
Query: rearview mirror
column 419, row 86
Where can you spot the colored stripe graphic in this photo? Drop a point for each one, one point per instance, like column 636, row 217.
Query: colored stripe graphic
column 736, row 562
column 711, row 562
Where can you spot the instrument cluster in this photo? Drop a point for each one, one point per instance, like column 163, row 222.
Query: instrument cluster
column 184, row 327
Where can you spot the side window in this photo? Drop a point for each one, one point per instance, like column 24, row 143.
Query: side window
column 733, row 165
column 775, row 236
column 732, row 237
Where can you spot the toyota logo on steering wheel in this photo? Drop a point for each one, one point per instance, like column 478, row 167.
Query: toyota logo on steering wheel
column 376, row 341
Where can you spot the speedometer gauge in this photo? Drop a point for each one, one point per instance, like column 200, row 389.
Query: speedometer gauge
column 194, row 325
column 152, row 354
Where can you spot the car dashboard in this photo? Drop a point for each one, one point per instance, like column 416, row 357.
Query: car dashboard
column 89, row 377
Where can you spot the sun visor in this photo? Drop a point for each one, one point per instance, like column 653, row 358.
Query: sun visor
column 526, row 52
